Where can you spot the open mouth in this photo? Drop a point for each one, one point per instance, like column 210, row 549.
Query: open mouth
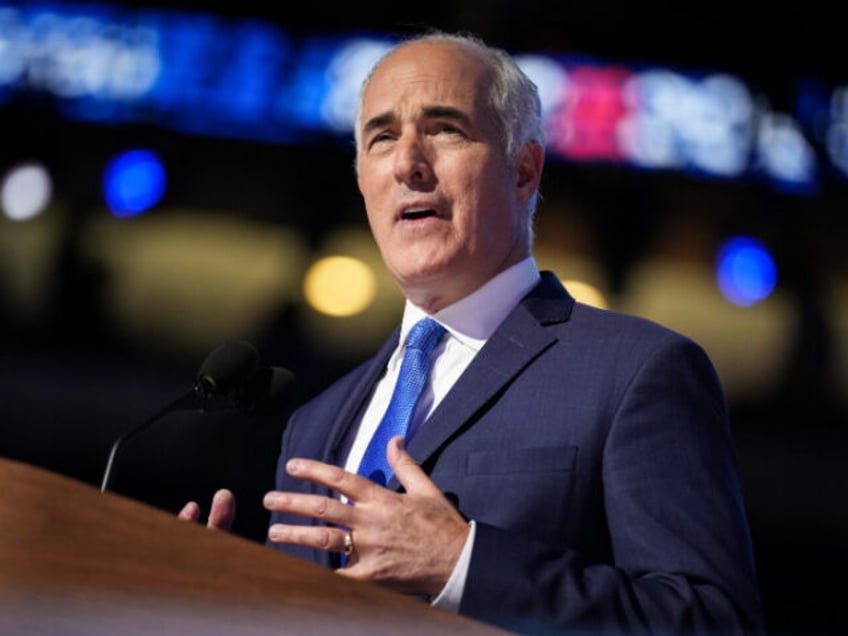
column 415, row 214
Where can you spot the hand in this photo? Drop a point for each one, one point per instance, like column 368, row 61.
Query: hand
column 221, row 514
column 408, row 541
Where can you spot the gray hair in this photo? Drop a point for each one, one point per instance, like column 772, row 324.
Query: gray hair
column 513, row 98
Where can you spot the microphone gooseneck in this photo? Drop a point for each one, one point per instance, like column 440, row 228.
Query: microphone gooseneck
column 229, row 369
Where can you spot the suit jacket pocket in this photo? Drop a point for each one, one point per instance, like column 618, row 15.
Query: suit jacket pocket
column 521, row 460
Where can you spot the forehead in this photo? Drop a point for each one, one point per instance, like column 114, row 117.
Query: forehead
column 428, row 74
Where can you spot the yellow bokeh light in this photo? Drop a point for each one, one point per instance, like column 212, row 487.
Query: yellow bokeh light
column 586, row 293
column 339, row 286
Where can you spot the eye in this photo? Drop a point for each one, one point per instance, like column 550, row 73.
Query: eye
column 379, row 138
column 448, row 128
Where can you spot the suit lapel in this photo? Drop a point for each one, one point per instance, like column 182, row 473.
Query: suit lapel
column 513, row 346
column 357, row 399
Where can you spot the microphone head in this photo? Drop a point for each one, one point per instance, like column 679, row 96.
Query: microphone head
column 227, row 368
column 270, row 391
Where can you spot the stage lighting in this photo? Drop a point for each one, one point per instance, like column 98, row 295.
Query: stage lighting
column 25, row 191
column 133, row 182
column 746, row 271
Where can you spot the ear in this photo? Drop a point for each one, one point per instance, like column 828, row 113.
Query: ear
column 528, row 171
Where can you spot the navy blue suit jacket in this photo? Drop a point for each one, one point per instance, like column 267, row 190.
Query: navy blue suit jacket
column 593, row 450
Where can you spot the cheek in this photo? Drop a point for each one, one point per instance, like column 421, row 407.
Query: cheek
column 487, row 179
column 488, row 208
column 372, row 183
column 376, row 205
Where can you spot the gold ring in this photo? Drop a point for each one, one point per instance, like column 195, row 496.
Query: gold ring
column 348, row 548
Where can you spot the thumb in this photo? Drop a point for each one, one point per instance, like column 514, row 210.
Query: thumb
column 410, row 475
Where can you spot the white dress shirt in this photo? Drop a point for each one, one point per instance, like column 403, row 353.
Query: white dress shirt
column 469, row 323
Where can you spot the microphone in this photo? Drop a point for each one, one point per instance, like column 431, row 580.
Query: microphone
column 226, row 368
column 269, row 391
column 229, row 369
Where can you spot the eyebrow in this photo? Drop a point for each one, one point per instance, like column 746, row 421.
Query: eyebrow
column 446, row 112
column 430, row 112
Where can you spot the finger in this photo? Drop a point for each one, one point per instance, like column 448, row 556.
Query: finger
column 189, row 512
column 319, row 537
column 223, row 511
column 410, row 475
column 351, row 485
column 327, row 509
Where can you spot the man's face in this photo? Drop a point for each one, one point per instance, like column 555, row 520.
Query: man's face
column 446, row 210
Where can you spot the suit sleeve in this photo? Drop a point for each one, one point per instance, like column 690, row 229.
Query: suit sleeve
column 681, row 561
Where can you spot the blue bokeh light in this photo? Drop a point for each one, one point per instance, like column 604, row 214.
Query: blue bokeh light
column 133, row 182
column 746, row 271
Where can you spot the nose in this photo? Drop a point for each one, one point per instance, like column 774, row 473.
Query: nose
column 412, row 165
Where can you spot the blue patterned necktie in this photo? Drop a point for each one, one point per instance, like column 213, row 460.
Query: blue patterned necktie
column 423, row 338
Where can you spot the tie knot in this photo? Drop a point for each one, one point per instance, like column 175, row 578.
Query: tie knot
column 425, row 335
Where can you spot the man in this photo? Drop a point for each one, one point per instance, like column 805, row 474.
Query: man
column 566, row 467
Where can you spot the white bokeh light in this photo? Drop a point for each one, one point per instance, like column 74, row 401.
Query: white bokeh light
column 25, row 191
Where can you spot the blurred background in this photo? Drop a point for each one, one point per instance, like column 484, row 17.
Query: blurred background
column 177, row 176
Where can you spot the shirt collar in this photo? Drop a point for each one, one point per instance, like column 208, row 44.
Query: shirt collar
column 474, row 318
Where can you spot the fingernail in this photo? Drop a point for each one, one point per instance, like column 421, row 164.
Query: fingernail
column 271, row 499
column 294, row 466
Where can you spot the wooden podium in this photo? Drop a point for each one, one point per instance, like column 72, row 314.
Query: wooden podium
column 75, row 561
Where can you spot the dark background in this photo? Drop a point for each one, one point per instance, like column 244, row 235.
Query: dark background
column 69, row 384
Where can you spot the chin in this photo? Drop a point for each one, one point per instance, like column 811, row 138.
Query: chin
column 430, row 280
column 428, row 269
